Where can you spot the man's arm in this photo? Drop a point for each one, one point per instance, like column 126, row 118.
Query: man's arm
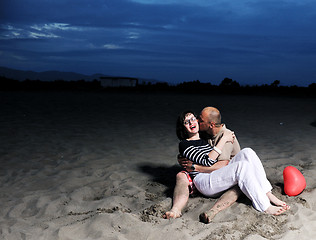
column 229, row 150
column 204, row 169
column 200, row 157
column 186, row 164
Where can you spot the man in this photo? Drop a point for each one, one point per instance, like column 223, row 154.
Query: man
column 210, row 124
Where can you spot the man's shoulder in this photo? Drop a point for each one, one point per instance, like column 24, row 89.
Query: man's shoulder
column 235, row 147
column 221, row 132
column 225, row 129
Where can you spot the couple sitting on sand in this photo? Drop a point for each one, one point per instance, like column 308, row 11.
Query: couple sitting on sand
column 215, row 164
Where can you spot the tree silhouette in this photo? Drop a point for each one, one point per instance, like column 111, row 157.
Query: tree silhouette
column 229, row 83
column 275, row 83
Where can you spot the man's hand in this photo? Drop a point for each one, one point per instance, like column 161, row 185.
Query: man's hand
column 229, row 136
column 184, row 162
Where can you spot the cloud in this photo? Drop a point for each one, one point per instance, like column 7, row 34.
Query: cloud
column 47, row 30
column 41, row 35
column 177, row 35
column 111, row 46
column 55, row 26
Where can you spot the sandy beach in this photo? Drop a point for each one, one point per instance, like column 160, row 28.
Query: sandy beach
column 102, row 165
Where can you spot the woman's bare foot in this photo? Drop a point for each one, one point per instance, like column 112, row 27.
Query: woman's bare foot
column 207, row 217
column 275, row 210
column 273, row 199
column 173, row 213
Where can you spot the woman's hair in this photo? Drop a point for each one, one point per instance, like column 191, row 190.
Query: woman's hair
column 180, row 128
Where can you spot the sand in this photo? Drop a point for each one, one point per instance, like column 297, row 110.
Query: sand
column 102, row 165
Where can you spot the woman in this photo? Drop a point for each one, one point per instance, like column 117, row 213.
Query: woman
column 245, row 169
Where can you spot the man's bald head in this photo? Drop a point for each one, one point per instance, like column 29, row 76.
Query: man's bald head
column 211, row 114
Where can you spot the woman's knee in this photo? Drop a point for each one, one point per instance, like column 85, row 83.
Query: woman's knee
column 181, row 176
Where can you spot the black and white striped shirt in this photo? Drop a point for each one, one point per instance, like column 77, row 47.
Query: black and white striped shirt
column 197, row 151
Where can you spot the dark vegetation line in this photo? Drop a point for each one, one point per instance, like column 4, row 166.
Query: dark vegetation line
column 227, row 86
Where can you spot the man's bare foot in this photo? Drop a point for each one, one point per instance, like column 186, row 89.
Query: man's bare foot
column 273, row 199
column 173, row 213
column 207, row 217
column 275, row 210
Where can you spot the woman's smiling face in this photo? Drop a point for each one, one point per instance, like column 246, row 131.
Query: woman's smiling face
column 191, row 124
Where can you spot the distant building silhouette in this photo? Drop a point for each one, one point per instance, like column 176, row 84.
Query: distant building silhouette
column 118, row 82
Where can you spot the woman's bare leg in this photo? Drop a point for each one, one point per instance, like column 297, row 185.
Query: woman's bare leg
column 180, row 196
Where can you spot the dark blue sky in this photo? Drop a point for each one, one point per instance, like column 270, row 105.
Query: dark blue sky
column 250, row 41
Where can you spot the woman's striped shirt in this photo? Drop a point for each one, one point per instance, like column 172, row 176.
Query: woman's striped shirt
column 197, row 151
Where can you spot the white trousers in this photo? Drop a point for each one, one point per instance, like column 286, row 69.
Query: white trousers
column 246, row 170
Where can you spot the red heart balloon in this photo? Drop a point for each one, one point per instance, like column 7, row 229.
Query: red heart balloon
column 294, row 181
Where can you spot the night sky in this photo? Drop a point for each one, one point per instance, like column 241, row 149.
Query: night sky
column 249, row 41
